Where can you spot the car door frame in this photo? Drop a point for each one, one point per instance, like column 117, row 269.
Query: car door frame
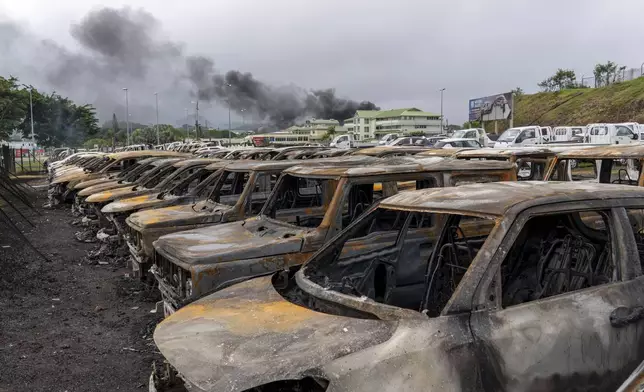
column 476, row 284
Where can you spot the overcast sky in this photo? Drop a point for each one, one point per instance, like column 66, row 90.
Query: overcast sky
column 393, row 53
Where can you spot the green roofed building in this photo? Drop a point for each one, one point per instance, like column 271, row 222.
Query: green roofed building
column 372, row 124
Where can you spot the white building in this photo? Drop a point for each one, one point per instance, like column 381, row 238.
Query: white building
column 372, row 124
column 314, row 128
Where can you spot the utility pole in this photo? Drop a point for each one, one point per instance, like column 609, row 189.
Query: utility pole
column 156, row 99
column 127, row 117
column 441, row 90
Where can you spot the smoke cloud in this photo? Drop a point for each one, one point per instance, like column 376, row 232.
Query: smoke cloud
column 126, row 47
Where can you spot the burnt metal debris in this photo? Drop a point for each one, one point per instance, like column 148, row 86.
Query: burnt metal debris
column 320, row 269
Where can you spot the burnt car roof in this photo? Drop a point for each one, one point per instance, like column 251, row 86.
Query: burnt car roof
column 496, row 198
column 196, row 161
column 399, row 165
column 219, row 164
column 145, row 153
column 378, row 151
column 163, row 161
column 613, row 151
column 441, row 152
column 504, row 152
column 248, row 165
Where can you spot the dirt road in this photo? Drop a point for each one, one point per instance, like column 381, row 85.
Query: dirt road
column 69, row 324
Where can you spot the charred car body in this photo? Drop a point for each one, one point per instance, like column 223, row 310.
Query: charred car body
column 61, row 187
column 176, row 174
column 517, row 286
column 240, row 192
column 308, row 206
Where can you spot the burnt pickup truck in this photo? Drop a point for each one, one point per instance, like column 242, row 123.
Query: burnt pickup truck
column 515, row 286
column 308, row 206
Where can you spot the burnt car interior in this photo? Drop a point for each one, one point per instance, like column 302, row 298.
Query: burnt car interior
column 573, row 253
column 389, row 257
column 301, row 201
column 229, row 187
column 189, row 184
column 263, row 185
column 416, row 260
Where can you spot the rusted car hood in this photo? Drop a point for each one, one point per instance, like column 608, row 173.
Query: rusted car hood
column 150, row 200
column 105, row 186
column 181, row 215
column 76, row 176
column 248, row 335
column 119, row 193
column 230, row 242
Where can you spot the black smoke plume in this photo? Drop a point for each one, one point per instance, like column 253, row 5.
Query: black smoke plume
column 125, row 47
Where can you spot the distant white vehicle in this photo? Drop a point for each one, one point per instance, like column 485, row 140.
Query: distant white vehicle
column 347, row 140
column 388, row 138
column 457, row 143
column 520, row 136
column 568, row 134
column 407, row 141
column 477, row 134
column 611, row 134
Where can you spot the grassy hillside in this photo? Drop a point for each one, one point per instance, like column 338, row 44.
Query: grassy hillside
column 620, row 102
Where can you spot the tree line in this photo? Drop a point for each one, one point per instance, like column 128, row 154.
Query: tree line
column 58, row 121
column 603, row 75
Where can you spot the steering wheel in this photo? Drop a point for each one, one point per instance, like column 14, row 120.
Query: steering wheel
column 287, row 200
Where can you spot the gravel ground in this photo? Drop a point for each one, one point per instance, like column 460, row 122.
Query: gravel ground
column 70, row 323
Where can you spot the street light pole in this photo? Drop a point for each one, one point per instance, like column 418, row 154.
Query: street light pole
column 187, row 133
column 31, row 110
column 156, row 99
column 441, row 90
column 127, row 116
column 197, row 121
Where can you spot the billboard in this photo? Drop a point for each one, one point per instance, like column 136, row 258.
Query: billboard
column 494, row 107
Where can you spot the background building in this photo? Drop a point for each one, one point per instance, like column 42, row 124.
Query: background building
column 372, row 124
column 314, row 128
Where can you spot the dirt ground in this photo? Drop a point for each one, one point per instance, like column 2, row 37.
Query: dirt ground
column 69, row 324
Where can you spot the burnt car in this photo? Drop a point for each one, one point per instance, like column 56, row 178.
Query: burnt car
column 162, row 168
column 61, row 187
column 517, row 286
column 308, row 206
column 128, row 178
column 617, row 164
column 531, row 163
column 241, row 190
column 117, row 212
column 227, row 201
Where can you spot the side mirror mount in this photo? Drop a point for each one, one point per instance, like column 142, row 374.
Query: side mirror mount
column 634, row 136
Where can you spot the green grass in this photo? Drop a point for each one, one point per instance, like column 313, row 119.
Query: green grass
column 621, row 102
column 28, row 166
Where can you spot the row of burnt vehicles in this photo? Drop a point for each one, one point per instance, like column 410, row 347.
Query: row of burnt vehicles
column 385, row 269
